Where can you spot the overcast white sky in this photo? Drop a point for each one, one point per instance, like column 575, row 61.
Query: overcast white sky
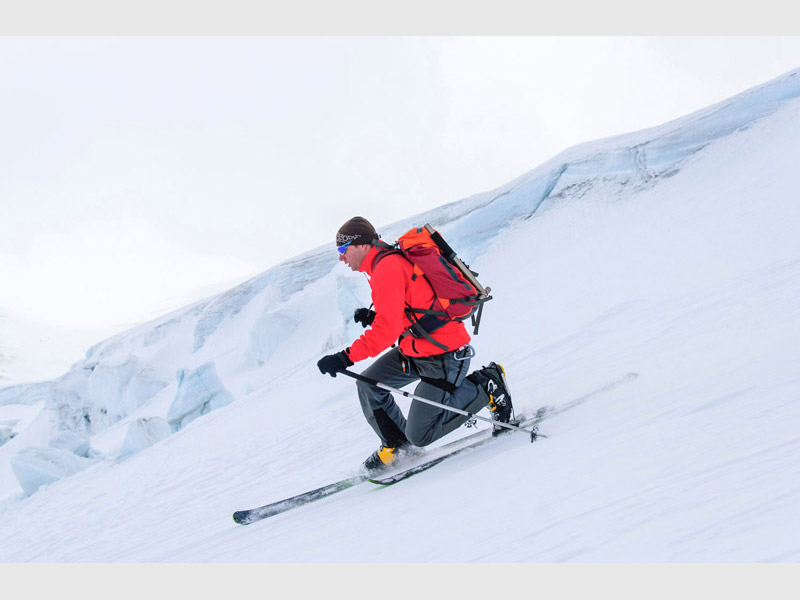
column 135, row 171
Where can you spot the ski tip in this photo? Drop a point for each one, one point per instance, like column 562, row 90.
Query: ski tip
column 240, row 517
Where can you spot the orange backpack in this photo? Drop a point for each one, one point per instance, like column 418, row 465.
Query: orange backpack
column 459, row 296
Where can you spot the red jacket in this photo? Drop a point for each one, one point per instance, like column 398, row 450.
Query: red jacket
column 392, row 290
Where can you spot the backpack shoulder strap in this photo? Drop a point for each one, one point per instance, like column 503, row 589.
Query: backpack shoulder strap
column 384, row 250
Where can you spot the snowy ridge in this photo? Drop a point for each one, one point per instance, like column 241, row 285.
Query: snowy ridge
column 669, row 252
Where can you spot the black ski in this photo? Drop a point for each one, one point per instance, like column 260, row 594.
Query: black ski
column 459, row 446
column 431, row 458
column 245, row 517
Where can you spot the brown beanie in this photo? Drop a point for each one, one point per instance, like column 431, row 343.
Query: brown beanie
column 358, row 231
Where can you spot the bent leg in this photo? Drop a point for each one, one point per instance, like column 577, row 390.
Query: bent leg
column 427, row 423
column 381, row 411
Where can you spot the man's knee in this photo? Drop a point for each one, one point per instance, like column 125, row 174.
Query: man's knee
column 420, row 438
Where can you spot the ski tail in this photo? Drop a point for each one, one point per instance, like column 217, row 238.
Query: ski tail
column 245, row 517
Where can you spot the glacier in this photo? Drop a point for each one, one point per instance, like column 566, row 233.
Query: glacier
column 671, row 252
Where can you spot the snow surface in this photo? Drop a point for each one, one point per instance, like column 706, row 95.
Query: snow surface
column 671, row 253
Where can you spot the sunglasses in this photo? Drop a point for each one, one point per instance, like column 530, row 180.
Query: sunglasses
column 343, row 248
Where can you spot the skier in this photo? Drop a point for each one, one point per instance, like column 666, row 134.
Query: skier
column 442, row 373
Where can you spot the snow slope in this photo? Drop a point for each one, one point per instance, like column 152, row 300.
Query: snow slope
column 671, row 253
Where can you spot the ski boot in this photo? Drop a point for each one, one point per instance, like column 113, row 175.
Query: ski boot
column 492, row 379
column 384, row 458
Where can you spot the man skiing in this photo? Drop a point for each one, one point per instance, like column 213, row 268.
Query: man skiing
column 438, row 359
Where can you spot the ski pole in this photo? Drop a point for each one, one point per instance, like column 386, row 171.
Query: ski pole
column 533, row 433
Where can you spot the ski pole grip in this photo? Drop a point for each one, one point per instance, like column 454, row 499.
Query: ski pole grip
column 360, row 377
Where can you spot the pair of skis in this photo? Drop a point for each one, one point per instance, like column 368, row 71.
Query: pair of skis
column 428, row 460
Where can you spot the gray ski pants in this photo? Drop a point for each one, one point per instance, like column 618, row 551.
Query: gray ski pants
column 425, row 423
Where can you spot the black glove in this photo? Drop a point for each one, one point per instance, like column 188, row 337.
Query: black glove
column 364, row 316
column 334, row 363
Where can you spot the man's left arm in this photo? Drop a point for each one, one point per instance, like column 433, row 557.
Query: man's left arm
column 389, row 299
